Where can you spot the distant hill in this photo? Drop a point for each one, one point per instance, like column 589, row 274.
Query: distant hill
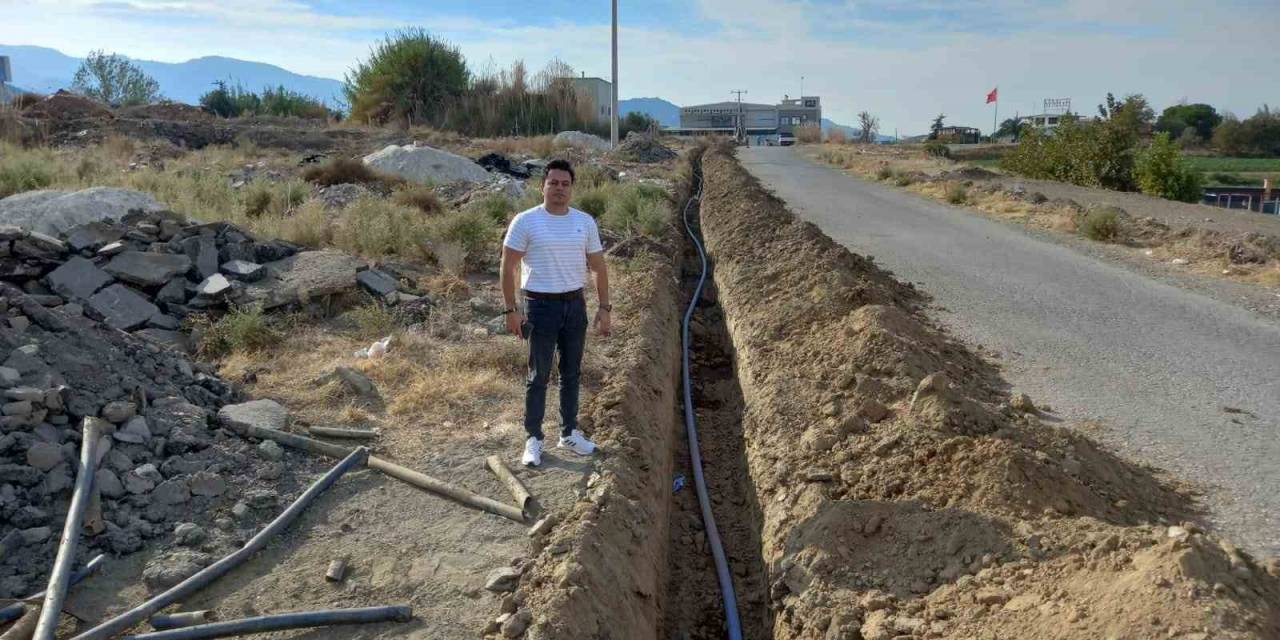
column 47, row 70
column 667, row 114
column 850, row 132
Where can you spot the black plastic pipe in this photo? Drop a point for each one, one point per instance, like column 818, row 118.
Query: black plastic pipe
column 281, row 621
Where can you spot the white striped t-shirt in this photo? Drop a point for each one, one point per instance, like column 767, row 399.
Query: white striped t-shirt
column 555, row 248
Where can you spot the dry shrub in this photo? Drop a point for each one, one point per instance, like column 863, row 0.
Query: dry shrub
column 1064, row 222
column 808, row 135
column 244, row 330
column 419, row 197
column 956, row 193
column 349, row 171
column 309, row 225
column 1102, row 225
column 451, row 256
column 119, row 146
column 25, row 99
column 837, row 136
column 373, row 320
column 374, row 227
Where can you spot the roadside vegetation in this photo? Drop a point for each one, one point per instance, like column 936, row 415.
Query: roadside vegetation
column 236, row 101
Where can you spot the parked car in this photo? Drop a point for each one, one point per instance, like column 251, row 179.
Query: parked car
column 786, row 139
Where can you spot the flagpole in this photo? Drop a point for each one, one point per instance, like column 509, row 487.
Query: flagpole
column 995, row 115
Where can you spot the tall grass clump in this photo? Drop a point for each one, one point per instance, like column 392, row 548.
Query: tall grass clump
column 1102, row 225
column 242, row 330
column 417, row 196
column 375, row 227
column 494, row 206
column 21, row 171
column 956, row 193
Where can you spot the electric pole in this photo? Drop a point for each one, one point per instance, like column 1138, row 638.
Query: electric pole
column 801, row 86
column 740, row 131
column 613, row 110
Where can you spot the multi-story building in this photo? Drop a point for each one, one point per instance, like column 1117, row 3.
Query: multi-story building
column 750, row 119
column 598, row 92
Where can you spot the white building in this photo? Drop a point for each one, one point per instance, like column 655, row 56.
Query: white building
column 598, row 92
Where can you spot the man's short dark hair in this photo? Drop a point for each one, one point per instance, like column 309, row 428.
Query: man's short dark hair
column 562, row 165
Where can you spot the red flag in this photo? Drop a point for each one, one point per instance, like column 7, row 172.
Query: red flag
column 991, row 97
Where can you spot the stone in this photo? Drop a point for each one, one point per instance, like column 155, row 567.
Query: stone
column 30, row 394
column 1022, row 403
column 119, row 411
column 376, row 282
column 122, row 307
column 36, row 535
column 9, row 377
column 78, row 278
column 92, row 236
column 240, row 510
column 356, row 381
column 20, row 474
column 108, row 483
column 171, row 492
column 269, row 450
column 44, row 456
column 167, row 571
column 20, row 408
column 111, row 249
column 204, row 483
column 581, row 140
column 515, row 625
column 137, row 484
column 213, row 286
column 54, row 212
column 502, row 580
column 147, row 268
column 267, row 414
column 423, row 164
column 29, row 516
column 262, row 498
column 165, row 322
column 301, row 277
column 173, row 292
column 244, row 270
column 172, row 339
column 19, row 323
column 189, row 534
column 134, row 431
column 40, row 245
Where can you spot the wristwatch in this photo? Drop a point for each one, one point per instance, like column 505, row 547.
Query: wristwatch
column 509, row 311
column 607, row 307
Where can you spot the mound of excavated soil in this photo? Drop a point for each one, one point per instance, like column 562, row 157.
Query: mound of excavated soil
column 168, row 111
column 64, row 105
column 902, row 497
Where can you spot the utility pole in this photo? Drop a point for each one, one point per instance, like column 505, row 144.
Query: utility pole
column 740, row 131
column 801, row 86
column 613, row 110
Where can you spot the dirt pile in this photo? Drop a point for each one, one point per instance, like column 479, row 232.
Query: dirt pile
column 644, row 148
column 65, row 105
column 900, row 493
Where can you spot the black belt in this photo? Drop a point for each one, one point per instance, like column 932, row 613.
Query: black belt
column 567, row 295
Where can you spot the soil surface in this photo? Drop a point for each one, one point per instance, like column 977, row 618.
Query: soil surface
column 901, row 491
column 1162, row 368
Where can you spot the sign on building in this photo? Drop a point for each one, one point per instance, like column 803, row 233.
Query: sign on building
column 1057, row 105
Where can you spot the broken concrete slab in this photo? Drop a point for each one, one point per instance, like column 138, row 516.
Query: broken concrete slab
column 244, row 270
column 424, row 164
column 122, row 307
column 268, row 414
column 203, row 251
column 148, row 269
column 302, row 277
column 78, row 278
column 376, row 282
column 54, row 212
column 213, row 286
column 93, row 236
column 174, row 292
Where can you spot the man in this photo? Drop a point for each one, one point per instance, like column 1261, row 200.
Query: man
column 552, row 246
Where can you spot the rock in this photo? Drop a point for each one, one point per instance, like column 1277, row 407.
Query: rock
column 262, row 498
column 21, row 408
column 44, row 456
column 877, row 626
column 581, row 140
column 203, row 251
column 502, row 580
column 213, row 286
column 301, row 277
column 108, row 483
column 244, row 270
column 171, row 492
column 423, row 164
column 122, row 307
column 29, row 516
column 134, row 431
column 112, row 249
column 93, row 236
column 166, row 571
column 19, row 323
column 164, row 321
column 147, row 268
column 1022, row 402
column 1035, row 197
column 36, row 535
column 267, row 414
column 376, row 282
column 172, row 339
column 269, row 450
column 78, row 278
column 20, row 474
column 137, row 484
column 9, row 377
column 39, row 245
column 515, row 625
column 56, row 212
column 992, row 597
column 189, row 534
column 357, row 382
column 204, row 483
column 240, row 510
column 30, row 394
column 119, row 411
column 174, row 292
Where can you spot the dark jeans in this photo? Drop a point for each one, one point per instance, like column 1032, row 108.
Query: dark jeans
column 556, row 324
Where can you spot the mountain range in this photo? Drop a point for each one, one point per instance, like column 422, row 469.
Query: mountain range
column 45, row 70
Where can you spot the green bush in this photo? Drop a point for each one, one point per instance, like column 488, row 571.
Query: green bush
column 1102, row 225
column 494, row 206
column 904, row 180
column 472, row 229
column 374, row 227
column 956, row 193
column 1160, row 171
column 636, row 209
column 372, row 320
column 244, row 329
column 884, row 172
column 24, row 173
column 1257, row 135
column 593, row 200
column 257, row 198
column 115, row 80
column 590, row 176
column 409, row 77
column 935, row 149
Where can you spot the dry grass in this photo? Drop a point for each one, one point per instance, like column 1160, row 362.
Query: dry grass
column 349, row 171
column 420, row 197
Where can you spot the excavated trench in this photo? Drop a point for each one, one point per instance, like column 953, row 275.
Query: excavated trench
column 694, row 606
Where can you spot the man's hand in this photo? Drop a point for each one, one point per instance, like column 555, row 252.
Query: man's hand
column 514, row 320
column 603, row 322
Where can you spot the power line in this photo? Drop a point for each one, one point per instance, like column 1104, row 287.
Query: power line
column 740, row 131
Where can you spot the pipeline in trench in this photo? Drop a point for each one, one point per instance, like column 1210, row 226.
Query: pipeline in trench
column 716, row 586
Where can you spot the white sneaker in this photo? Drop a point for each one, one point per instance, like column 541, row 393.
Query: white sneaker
column 532, row 452
column 578, row 443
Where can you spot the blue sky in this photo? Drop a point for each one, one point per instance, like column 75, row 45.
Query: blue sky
column 905, row 61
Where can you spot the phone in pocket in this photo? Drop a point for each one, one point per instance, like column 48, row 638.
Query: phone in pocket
column 526, row 329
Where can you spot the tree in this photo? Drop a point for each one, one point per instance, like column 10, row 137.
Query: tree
column 113, row 79
column 409, row 77
column 637, row 121
column 869, row 126
column 1160, row 171
column 1257, row 135
column 1200, row 118
column 1133, row 113
column 1010, row 127
column 935, row 129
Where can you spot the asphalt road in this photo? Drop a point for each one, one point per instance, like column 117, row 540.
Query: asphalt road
column 1164, row 369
